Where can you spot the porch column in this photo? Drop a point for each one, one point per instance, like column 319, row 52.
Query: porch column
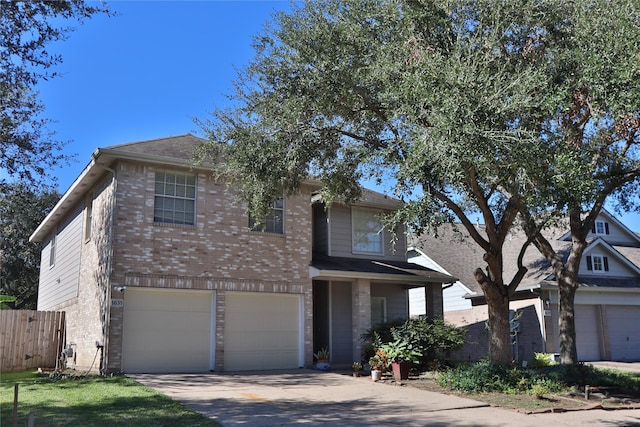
column 360, row 314
column 433, row 300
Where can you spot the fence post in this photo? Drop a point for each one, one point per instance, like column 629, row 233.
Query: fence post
column 15, row 405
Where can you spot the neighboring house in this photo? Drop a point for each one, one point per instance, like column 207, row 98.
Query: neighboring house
column 607, row 303
column 160, row 269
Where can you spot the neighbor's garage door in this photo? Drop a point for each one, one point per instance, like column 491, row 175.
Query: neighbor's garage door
column 261, row 331
column 624, row 334
column 587, row 342
column 167, row 331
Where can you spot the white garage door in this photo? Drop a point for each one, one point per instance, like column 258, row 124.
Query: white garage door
column 624, row 334
column 262, row 331
column 167, row 331
column 587, row 333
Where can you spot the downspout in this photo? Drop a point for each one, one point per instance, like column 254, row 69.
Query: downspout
column 107, row 320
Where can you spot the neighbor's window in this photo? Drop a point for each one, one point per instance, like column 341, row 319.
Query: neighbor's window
column 600, row 227
column 52, row 251
column 273, row 222
column 378, row 310
column 597, row 263
column 175, row 198
column 367, row 231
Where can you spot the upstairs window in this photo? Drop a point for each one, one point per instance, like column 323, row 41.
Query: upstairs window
column 273, row 222
column 88, row 218
column 367, row 231
column 52, row 251
column 600, row 227
column 175, row 198
column 597, row 263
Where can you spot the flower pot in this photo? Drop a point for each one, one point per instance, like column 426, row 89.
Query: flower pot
column 400, row 370
column 323, row 365
column 356, row 374
column 376, row 375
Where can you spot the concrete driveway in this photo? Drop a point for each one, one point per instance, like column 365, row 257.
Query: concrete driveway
column 306, row 397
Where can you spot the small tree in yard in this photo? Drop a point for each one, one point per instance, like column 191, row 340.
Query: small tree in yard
column 448, row 103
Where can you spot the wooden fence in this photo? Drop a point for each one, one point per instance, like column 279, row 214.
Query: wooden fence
column 30, row 339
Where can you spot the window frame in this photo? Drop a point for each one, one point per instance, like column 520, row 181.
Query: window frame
column 599, row 260
column 52, row 250
column 88, row 218
column 160, row 214
column 269, row 224
column 600, row 227
column 372, row 214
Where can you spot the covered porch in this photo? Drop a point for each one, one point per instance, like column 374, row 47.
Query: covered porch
column 350, row 295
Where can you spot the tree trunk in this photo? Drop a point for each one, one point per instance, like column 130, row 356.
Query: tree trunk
column 566, row 321
column 499, row 328
column 500, row 334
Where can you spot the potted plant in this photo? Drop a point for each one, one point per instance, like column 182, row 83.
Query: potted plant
column 401, row 356
column 322, row 359
column 357, row 367
column 378, row 363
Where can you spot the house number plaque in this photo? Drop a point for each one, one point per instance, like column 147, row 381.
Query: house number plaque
column 117, row 302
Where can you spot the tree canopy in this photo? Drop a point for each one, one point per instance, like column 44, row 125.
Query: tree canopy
column 21, row 211
column 457, row 105
column 27, row 30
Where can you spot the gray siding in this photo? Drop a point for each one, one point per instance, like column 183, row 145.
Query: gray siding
column 396, row 297
column 616, row 267
column 341, row 240
column 617, row 235
column 59, row 283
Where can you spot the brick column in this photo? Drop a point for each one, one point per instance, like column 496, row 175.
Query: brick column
column 360, row 313
column 433, row 300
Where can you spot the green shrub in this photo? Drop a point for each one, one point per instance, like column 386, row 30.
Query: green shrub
column 486, row 376
column 433, row 339
column 542, row 359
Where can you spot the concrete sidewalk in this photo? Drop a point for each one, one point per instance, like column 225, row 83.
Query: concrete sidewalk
column 328, row 399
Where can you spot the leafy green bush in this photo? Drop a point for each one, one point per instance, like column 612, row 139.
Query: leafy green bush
column 486, row 376
column 542, row 359
column 432, row 339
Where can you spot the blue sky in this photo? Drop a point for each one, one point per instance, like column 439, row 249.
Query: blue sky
column 147, row 72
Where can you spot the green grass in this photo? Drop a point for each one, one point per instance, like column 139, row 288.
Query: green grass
column 91, row 401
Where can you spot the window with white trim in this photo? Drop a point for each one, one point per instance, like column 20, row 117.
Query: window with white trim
column 366, row 231
column 52, row 251
column 600, row 227
column 175, row 198
column 88, row 218
column 597, row 263
column 273, row 222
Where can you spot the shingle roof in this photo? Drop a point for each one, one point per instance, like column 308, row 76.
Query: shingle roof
column 177, row 147
column 457, row 253
column 384, row 267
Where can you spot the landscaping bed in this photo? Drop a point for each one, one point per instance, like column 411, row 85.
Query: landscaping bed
column 605, row 397
column 564, row 392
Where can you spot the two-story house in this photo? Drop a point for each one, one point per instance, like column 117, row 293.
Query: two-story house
column 159, row 268
column 607, row 302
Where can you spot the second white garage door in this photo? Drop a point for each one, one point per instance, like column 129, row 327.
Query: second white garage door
column 167, row 331
column 262, row 331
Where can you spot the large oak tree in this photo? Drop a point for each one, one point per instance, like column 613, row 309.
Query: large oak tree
column 448, row 102
column 27, row 31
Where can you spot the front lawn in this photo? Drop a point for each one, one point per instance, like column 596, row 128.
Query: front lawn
column 91, row 401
